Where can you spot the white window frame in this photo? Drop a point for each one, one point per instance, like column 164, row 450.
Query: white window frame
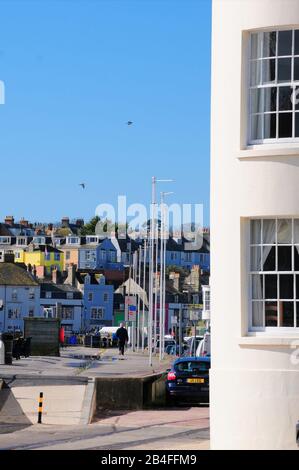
column 39, row 240
column 5, row 240
column 14, row 313
column 31, row 295
column 92, row 239
column 67, row 312
column 14, row 294
column 292, row 83
column 73, row 241
column 275, row 330
column 21, row 241
column 97, row 313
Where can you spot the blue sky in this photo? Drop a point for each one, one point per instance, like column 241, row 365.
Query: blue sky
column 74, row 73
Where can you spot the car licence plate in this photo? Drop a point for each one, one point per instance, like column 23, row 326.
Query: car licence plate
column 196, row 381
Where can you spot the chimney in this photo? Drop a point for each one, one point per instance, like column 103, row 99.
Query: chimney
column 40, row 272
column 193, row 280
column 80, row 222
column 55, row 276
column 9, row 220
column 24, row 222
column 175, row 278
column 71, row 274
column 65, row 222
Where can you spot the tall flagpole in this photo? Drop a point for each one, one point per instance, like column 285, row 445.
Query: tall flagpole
column 139, row 291
column 144, row 293
column 164, row 232
column 152, row 261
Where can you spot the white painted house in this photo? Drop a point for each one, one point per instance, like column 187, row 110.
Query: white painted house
column 255, row 211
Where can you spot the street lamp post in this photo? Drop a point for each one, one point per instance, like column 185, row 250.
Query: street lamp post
column 152, row 302
column 164, row 231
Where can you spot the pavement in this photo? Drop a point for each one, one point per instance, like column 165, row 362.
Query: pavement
column 67, row 384
column 181, row 428
column 80, row 361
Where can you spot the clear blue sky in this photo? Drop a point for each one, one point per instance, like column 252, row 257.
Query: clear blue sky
column 75, row 72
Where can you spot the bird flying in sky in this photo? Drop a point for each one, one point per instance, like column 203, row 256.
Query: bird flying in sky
column 83, row 185
column 129, row 123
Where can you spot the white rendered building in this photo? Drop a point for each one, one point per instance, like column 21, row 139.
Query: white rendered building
column 254, row 378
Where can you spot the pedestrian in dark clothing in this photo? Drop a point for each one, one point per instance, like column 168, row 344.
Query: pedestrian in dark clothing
column 123, row 338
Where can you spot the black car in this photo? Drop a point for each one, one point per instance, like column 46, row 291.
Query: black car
column 188, row 380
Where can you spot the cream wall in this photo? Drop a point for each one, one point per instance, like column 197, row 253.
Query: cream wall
column 254, row 385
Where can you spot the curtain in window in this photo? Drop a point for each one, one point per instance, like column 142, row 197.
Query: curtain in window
column 259, row 258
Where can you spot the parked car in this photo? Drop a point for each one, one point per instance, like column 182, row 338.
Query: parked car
column 174, row 350
column 188, row 380
column 167, row 342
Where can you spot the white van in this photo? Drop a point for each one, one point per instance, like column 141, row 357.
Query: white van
column 204, row 347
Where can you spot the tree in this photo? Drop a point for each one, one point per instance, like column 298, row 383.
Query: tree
column 89, row 228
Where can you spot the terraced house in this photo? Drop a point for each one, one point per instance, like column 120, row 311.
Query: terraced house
column 19, row 294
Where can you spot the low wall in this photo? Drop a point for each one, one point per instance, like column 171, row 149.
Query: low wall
column 130, row 393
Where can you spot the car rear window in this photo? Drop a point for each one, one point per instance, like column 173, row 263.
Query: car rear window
column 190, row 366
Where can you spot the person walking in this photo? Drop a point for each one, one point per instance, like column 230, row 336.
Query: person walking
column 123, row 338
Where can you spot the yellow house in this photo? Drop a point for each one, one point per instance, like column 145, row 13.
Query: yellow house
column 42, row 255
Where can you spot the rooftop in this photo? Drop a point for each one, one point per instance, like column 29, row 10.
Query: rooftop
column 13, row 275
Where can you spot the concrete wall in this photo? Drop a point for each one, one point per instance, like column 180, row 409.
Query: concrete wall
column 44, row 333
column 254, row 385
column 128, row 392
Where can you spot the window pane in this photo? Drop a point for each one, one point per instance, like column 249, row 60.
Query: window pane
column 269, row 99
column 284, row 70
column 295, row 97
column 269, row 258
column 285, row 125
column 284, row 42
column 296, row 124
column 257, row 100
column 255, row 232
column 257, row 314
column 286, row 311
column 271, row 313
column 269, row 46
column 256, row 43
column 255, row 253
column 269, row 231
column 270, row 286
column 257, row 287
column 296, row 46
column 297, row 287
column 296, row 258
column 286, row 286
column 296, row 68
column 268, row 70
column 284, row 231
column 285, row 98
column 257, row 126
column 255, row 72
column 285, row 258
column 269, row 126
